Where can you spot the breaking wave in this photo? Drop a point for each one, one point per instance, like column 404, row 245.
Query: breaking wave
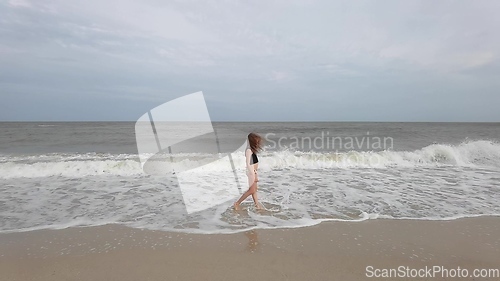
column 474, row 153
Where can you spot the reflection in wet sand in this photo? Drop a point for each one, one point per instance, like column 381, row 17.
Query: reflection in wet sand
column 253, row 241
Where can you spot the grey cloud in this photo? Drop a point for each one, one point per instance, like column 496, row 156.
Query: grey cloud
column 326, row 60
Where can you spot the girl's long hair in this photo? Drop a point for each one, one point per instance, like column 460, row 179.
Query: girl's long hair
column 255, row 142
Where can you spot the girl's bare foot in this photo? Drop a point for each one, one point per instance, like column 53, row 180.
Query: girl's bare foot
column 259, row 206
column 236, row 206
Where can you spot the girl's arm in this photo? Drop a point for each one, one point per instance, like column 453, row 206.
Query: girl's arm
column 248, row 156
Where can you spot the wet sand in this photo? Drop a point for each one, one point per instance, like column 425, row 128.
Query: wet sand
column 329, row 251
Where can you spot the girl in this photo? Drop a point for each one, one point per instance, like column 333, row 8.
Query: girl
column 254, row 146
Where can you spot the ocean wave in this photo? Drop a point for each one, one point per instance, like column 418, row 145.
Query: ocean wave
column 46, row 125
column 473, row 153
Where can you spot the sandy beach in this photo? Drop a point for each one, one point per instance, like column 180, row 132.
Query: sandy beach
column 328, row 251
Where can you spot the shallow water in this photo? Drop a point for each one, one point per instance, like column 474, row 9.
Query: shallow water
column 56, row 175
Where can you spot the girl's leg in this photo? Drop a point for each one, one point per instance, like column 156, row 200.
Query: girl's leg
column 243, row 197
column 254, row 195
column 251, row 190
column 255, row 198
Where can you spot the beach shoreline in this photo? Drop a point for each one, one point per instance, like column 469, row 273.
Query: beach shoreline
column 328, row 251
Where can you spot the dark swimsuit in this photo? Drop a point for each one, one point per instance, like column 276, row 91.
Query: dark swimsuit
column 254, row 159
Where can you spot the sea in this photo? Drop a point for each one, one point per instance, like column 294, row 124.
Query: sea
column 56, row 175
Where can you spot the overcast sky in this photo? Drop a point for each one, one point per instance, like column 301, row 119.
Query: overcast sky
column 287, row 60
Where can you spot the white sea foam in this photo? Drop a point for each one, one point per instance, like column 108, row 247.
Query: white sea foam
column 297, row 188
column 476, row 153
